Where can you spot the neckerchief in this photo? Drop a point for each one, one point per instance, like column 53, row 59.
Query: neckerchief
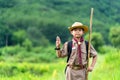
column 79, row 49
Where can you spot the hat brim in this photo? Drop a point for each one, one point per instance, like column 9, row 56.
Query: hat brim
column 83, row 27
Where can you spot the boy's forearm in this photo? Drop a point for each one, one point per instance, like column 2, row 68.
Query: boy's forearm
column 94, row 61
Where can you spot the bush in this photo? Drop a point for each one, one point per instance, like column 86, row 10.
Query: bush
column 34, row 54
column 96, row 40
column 19, row 37
column 27, row 44
column 115, row 37
column 11, row 50
column 13, row 69
column 107, row 49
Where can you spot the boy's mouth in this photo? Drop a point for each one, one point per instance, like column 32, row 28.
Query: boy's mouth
column 77, row 34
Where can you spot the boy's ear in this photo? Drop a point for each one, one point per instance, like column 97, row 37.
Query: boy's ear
column 71, row 32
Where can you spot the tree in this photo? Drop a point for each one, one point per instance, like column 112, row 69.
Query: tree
column 27, row 44
column 5, row 35
column 7, row 3
column 97, row 40
column 55, row 29
column 37, row 38
column 114, row 36
column 19, row 37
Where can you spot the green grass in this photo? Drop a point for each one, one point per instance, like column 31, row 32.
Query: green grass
column 20, row 54
column 106, row 68
column 31, row 71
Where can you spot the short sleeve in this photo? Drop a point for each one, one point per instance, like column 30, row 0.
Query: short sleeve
column 93, row 52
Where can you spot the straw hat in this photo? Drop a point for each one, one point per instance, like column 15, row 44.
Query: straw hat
column 78, row 25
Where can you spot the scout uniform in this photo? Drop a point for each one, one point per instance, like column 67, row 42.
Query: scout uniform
column 76, row 70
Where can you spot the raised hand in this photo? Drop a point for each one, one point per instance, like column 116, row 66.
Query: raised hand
column 58, row 42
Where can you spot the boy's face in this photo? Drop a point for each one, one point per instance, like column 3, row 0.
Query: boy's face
column 77, row 32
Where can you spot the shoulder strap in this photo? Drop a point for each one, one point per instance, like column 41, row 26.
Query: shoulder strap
column 69, row 49
column 86, row 43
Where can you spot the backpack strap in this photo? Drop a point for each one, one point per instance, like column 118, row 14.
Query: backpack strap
column 69, row 48
column 86, row 43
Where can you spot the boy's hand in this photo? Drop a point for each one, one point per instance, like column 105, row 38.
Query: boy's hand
column 58, row 42
column 90, row 69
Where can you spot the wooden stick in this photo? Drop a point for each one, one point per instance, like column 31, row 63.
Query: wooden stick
column 89, row 42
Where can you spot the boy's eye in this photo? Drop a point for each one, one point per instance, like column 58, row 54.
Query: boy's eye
column 78, row 29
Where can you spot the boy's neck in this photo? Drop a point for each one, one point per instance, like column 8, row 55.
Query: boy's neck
column 78, row 38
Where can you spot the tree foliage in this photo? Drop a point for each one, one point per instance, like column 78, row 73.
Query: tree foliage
column 97, row 40
column 114, row 36
column 19, row 37
column 42, row 20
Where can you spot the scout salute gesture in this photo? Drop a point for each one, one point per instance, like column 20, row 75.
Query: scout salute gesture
column 76, row 53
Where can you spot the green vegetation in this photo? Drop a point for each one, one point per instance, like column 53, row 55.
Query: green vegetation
column 115, row 37
column 47, row 19
column 31, row 71
column 97, row 40
column 107, row 67
column 28, row 29
column 20, row 54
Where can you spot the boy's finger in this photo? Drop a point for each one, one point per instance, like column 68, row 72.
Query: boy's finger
column 58, row 38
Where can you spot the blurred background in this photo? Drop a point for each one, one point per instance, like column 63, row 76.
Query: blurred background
column 28, row 29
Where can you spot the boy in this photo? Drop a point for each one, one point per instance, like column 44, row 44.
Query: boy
column 76, row 65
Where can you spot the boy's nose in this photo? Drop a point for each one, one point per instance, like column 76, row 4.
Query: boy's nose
column 77, row 30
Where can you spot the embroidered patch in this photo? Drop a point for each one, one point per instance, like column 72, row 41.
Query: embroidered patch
column 73, row 48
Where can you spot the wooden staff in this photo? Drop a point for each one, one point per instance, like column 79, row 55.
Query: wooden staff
column 89, row 42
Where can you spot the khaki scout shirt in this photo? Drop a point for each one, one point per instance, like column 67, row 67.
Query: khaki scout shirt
column 73, row 60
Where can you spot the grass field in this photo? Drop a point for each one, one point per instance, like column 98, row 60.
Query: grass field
column 107, row 68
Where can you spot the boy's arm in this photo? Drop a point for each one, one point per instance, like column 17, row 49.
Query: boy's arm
column 93, row 54
column 60, row 52
column 58, row 42
column 91, row 67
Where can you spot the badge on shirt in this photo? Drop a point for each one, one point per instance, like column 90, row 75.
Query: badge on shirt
column 79, row 43
column 73, row 48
